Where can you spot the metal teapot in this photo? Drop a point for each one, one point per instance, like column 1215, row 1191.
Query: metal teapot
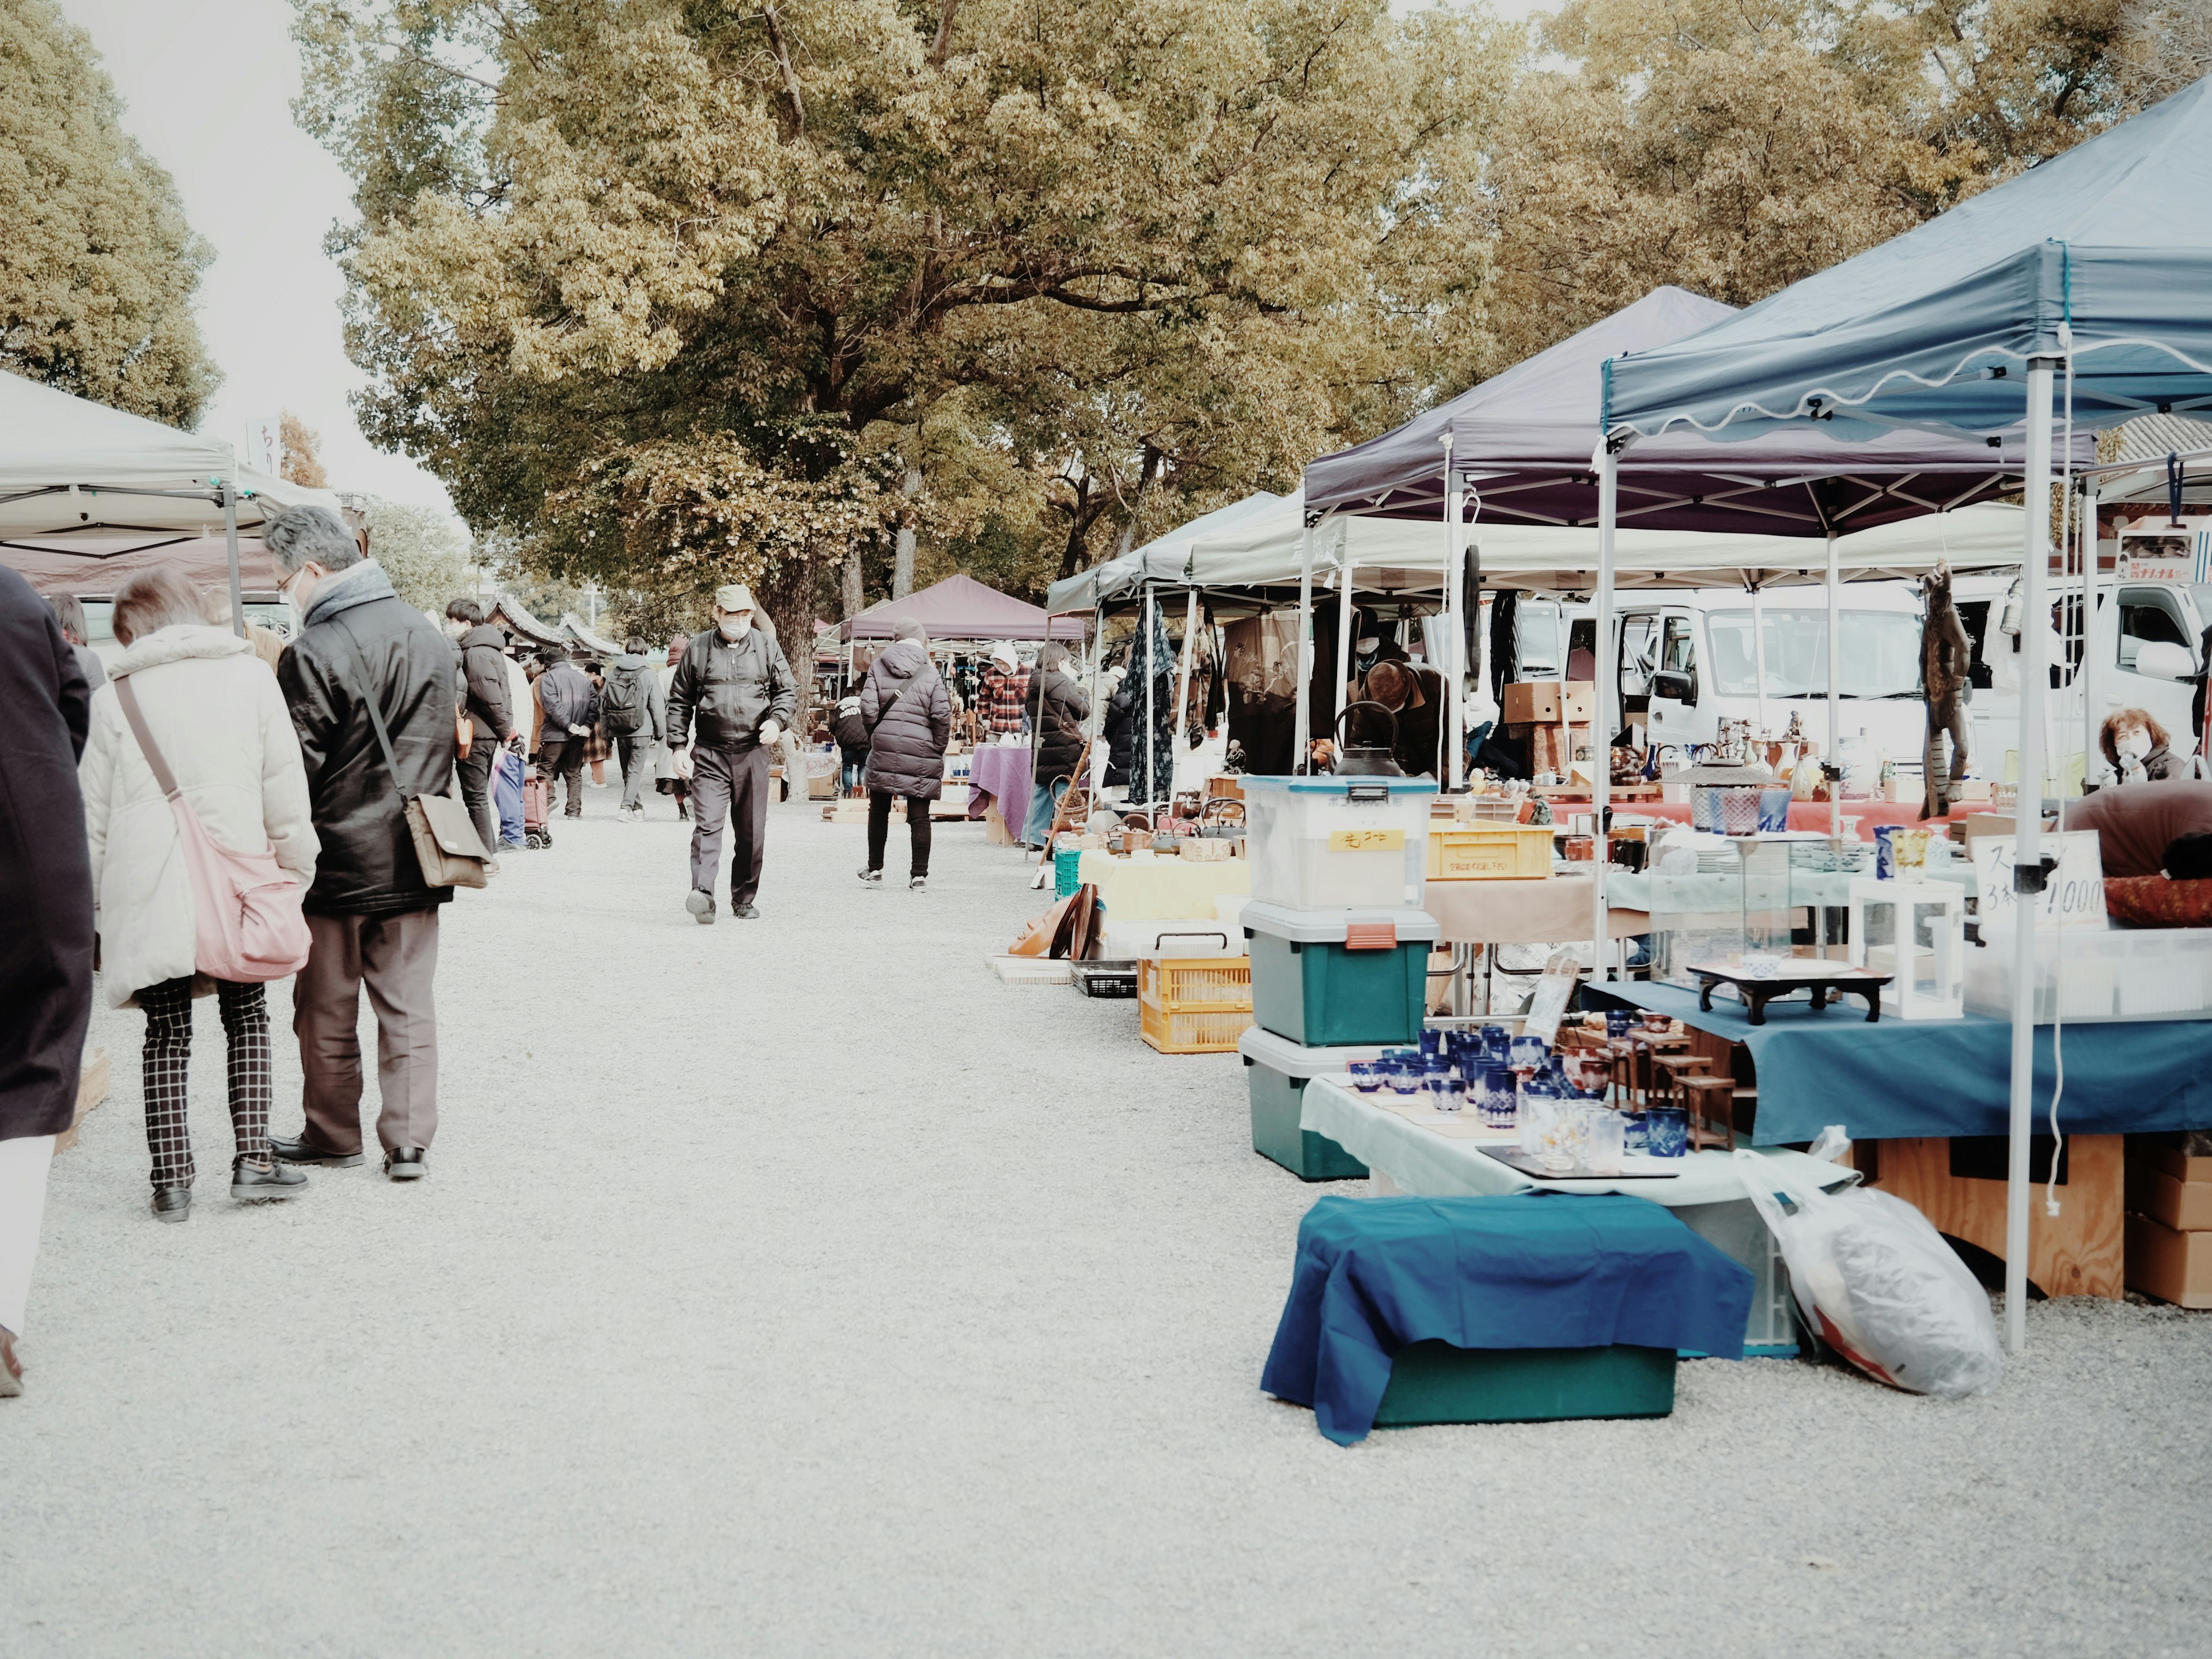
column 1367, row 760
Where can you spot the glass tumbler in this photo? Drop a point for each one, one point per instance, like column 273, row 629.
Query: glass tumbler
column 1605, row 1140
column 1666, row 1131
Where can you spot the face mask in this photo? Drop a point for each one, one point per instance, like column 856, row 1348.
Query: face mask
column 455, row 629
column 2136, row 745
column 1369, row 646
column 732, row 628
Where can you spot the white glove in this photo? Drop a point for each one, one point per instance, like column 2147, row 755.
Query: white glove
column 681, row 763
column 580, row 731
column 769, row 733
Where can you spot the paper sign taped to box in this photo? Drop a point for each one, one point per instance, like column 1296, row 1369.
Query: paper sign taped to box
column 2072, row 897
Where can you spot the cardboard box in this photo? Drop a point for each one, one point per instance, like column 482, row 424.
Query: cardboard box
column 1533, row 703
column 2183, row 1205
column 2173, row 1267
column 1580, row 699
column 2181, row 1166
column 1987, row 823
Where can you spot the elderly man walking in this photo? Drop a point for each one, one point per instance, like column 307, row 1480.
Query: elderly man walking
column 370, row 684
column 731, row 697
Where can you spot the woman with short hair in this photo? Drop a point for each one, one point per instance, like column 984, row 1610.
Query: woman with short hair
column 218, row 723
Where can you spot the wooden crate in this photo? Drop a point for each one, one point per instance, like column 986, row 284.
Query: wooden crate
column 2078, row 1252
column 1490, row 852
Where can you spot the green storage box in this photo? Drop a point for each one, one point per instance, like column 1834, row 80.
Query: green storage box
column 1317, row 980
column 1435, row 1382
column 1276, row 1072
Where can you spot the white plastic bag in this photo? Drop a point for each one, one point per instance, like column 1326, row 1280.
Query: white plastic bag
column 1879, row 1283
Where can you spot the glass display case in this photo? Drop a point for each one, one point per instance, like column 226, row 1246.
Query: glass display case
column 1737, row 899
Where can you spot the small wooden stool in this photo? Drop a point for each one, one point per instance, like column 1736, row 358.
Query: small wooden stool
column 1700, row 1094
column 1668, row 1072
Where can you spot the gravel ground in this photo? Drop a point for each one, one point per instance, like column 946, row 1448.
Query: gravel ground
column 795, row 1287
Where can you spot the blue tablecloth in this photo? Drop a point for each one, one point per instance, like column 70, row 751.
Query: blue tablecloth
column 1532, row 1271
column 1950, row 1077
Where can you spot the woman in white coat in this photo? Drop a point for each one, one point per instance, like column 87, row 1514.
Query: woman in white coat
column 213, row 709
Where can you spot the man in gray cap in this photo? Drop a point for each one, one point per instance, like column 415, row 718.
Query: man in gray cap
column 731, row 696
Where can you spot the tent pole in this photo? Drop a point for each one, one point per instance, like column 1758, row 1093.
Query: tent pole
column 1759, row 652
column 230, row 548
column 1344, row 641
column 1450, row 774
column 1835, row 691
column 1302, row 728
column 2028, row 848
column 2091, row 757
column 1604, row 689
column 1151, row 672
column 1097, row 778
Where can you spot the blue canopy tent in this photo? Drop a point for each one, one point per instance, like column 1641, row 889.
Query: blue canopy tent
column 2097, row 265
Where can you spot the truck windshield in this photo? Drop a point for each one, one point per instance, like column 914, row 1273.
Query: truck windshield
column 1881, row 654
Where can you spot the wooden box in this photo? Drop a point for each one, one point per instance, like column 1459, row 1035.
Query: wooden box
column 2173, row 1267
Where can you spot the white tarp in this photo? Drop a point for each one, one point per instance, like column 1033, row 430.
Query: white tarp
column 1164, row 559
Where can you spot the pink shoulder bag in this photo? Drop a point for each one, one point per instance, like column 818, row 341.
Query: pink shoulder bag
column 246, row 920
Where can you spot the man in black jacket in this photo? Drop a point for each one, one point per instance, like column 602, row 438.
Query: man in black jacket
column 480, row 651
column 731, row 698
column 371, row 917
column 569, row 700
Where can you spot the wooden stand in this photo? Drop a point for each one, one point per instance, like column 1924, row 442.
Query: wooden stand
column 2079, row 1252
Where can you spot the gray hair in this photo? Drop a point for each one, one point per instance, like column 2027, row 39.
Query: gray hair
column 69, row 613
column 304, row 535
column 1051, row 655
column 908, row 628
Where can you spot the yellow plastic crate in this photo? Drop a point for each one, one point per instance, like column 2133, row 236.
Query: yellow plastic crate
column 1490, row 852
column 1194, row 1005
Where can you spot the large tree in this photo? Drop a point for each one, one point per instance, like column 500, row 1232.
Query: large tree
column 674, row 290
column 97, row 265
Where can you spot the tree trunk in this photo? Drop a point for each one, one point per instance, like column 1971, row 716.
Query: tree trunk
column 785, row 596
column 902, row 555
column 853, row 605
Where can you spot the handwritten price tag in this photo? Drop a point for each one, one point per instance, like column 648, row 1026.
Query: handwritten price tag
column 1367, row 840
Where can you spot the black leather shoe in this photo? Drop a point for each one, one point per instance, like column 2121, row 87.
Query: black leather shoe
column 256, row 1184
column 747, row 912
column 406, row 1163
column 300, row 1150
column 172, row 1203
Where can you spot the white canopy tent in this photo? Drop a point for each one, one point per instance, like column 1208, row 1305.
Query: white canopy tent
column 1164, row 559
column 70, row 468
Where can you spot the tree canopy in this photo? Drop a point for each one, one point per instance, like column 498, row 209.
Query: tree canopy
column 97, row 265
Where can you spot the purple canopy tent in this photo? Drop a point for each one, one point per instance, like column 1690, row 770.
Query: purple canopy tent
column 962, row 608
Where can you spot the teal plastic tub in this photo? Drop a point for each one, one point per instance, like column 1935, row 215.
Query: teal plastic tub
column 1329, row 978
column 1064, row 865
column 1276, row 1073
column 1435, row 1382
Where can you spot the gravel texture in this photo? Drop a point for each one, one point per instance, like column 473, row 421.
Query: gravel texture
column 793, row 1287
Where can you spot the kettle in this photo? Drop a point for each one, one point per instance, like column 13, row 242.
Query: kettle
column 1367, row 760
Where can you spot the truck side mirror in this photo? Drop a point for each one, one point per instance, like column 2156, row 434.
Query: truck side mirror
column 2162, row 659
column 1673, row 685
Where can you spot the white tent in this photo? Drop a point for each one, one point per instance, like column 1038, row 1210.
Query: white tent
column 1164, row 559
column 72, row 468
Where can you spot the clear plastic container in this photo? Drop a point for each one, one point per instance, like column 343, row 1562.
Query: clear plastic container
column 2162, row 973
column 1327, row 843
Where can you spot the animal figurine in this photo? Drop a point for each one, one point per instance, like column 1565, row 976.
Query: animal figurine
column 1946, row 658
column 2134, row 746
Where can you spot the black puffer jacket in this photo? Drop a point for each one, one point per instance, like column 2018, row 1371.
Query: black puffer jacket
column 368, row 865
column 1120, row 734
column 483, row 652
column 1057, row 710
column 910, row 719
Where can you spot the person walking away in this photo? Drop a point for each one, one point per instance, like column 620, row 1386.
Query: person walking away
column 909, row 718
column 480, row 652
column 565, row 692
column 1006, row 688
column 597, row 741
column 45, row 941
column 664, row 764
column 364, row 656
column 636, row 714
column 68, row 611
column 1057, row 710
column 729, row 700
column 848, row 727
column 194, row 700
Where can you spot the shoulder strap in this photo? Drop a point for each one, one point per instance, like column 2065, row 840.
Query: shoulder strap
column 163, row 778
column 375, row 713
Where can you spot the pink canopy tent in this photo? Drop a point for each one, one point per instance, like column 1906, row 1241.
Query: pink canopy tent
column 962, row 608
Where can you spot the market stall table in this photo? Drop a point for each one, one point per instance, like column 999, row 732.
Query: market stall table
column 998, row 775
column 1435, row 1155
column 1814, row 815
column 1164, row 888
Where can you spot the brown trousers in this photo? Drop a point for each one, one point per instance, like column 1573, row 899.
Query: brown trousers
column 396, row 958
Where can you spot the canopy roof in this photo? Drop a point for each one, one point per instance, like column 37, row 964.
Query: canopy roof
column 71, row 467
column 96, row 566
column 1524, row 442
column 1164, row 559
column 2105, row 245
column 962, row 608
column 1407, row 556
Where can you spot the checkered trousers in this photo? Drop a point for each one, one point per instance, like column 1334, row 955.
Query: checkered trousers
column 168, row 1057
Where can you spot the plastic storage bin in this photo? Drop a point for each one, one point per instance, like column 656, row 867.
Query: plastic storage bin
column 1194, row 1007
column 1324, row 843
column 2152, row 973
column 1322, row 978
column 1276, row 1072
column 1490, row 852
column 1435, row 1382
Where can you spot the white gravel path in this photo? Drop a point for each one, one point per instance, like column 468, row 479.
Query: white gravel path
column 792, row 1287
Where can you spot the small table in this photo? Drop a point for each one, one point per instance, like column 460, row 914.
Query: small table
column 1827, row 979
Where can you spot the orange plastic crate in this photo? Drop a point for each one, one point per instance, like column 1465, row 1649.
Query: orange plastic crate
column 1195, row 1005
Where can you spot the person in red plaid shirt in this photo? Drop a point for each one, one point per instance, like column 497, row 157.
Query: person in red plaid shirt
column 1005, row 689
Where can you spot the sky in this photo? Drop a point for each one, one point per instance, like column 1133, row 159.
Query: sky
column 207, row 89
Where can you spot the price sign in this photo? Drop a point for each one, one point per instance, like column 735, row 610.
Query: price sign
column 2074, row 896
column 1367, row 840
